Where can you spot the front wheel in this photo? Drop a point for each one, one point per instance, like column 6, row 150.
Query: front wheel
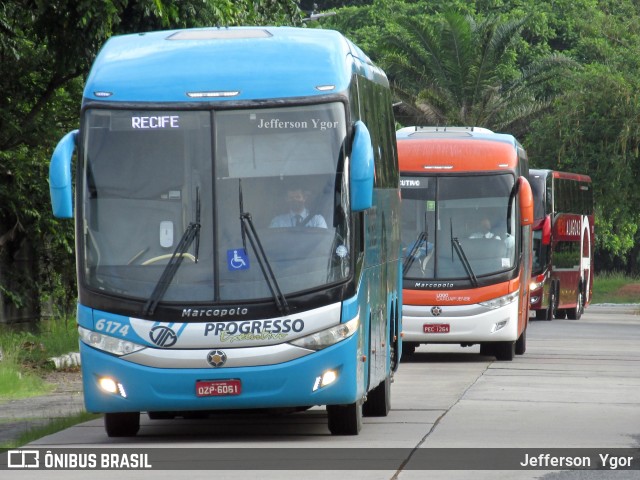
column 521, row 343
column 505, row 351
column 550, row 312
column 345, row 419
column 122, row 424
column 408, row 348
column 576, row 313
column 378, row 401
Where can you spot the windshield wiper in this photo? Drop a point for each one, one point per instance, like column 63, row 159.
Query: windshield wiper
column 455, row 245
column 248, row 230
column 191, row 233
column 411, row 257
column 465, row 261
column 423, row 237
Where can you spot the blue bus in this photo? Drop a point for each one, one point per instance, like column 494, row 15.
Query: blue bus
column 237, row 226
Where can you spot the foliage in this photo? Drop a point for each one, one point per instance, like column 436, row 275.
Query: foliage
column 487, row 62
column 46, row 48
column 578, row 119
column 26, row 353
column 459, row 71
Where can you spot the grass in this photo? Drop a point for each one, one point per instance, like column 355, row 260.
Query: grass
column 25, row 355
column 615, row 287
column 53, row 426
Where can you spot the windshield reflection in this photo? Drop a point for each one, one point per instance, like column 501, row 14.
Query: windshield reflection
column 148, row 175
column 457, row 227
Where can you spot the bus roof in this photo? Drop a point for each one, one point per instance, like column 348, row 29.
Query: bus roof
column 556, row 174
column 218, row 64
column 448, row 149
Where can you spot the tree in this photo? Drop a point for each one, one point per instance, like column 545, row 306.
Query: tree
column 454, row 70
column 46, row 48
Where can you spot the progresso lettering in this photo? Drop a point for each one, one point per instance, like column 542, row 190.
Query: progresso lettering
column 154, row 122
column 254, row 327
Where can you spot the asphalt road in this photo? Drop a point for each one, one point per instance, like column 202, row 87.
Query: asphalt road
column 577, row 386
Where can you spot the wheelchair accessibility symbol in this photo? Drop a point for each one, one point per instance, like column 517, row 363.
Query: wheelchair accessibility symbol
column 237, row 259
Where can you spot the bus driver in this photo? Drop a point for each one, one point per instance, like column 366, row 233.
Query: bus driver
column 298, row 215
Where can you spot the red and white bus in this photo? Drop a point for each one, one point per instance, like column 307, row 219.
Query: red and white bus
column 467, row 210
column 563, row 244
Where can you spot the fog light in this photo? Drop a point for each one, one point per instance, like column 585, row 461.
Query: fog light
column 109, row 385
column 498, row 326
column 327, row 378
column 534, row 300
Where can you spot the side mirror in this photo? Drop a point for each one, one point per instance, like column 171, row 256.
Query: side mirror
column 60, row 176
column 362, row 169
column 526, row 202
column 546, row 230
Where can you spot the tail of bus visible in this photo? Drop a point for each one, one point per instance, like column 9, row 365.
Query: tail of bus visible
column 467, row 212
column 563, row 244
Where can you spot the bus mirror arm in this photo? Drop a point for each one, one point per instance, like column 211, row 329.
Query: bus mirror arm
column 361, row 169
column 60, row 176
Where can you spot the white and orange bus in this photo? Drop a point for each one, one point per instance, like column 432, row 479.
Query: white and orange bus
column 563, row 244
column 467, row 211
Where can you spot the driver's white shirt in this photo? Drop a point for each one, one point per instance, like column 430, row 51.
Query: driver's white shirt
column 289, row 220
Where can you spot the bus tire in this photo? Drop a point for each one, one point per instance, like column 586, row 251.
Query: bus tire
column 345, row 419
column 378, row 401
column 487, row 349
column 553, row 301
column 550, row 312
column 122, row 424
column 408, row 349
column 521, row 343
column 576, row 313
column 505, row 351
column 561, row 314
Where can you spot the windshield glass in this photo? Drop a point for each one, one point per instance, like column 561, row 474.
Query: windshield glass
column 437, row 211
column 540, row 253
column 539, row 195
column 150, row 176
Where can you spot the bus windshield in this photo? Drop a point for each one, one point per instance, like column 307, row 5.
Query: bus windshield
column 540, row 253
column 150, row 179
column 458, row 227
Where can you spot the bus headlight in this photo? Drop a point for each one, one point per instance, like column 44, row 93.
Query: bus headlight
column 326, row 338
column 501, row 301
column 107, row 343
column 537, row 282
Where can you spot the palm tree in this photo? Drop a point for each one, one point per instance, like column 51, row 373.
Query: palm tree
column 457, row 71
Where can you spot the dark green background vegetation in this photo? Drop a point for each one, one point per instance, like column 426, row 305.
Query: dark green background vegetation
column 561, row 75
